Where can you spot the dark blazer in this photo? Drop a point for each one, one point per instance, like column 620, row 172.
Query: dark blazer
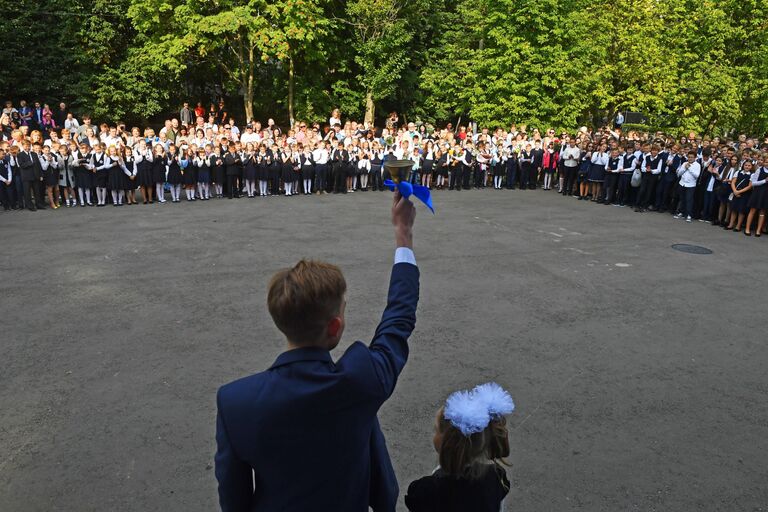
column 305, row 430
column 29, row 165
column 233, row 164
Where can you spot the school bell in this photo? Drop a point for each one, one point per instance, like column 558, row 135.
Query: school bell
column 399, row 170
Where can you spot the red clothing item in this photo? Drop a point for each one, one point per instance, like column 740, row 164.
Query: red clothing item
column 200, row 112
column 550, row 160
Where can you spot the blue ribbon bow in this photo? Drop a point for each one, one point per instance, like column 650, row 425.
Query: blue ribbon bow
column 407, row 189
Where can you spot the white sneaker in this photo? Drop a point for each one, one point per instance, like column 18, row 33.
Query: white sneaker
column 688, row 219
column 678, row 216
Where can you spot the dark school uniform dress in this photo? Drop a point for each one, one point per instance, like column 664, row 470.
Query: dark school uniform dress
column 189, row 174
column 427, row 164
column 83, row 175
column 286, row 167
column 203, row 167
column 307, row 166
column 759, row 197
column 115, row 173
column 441, row 166
column 144, row 175
column 159, row 169
column 584, row 167
column 740, row 204
column 597, row 167
column 440, row 492
column 127, row 182
column 51, row 174
column 174, row 170
column 263, row 162
column 249, row 167
column 101, row 176
column 217, row 174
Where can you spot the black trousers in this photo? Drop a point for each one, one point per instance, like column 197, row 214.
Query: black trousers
column 320, row 176
column 233, row 186
column 8, row 195
column 340, row 183
column 611, row 180
column 570, row 174
column 456, row 178
column 647, row 184
column 511, row 174
column 32, row 195
column 467, row 175
column 375, row 177
column 622, row 190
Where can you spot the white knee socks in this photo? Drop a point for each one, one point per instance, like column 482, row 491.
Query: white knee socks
column 160, row 192
column 307, row 186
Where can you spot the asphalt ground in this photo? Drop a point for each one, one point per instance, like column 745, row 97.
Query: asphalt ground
column 638, row 371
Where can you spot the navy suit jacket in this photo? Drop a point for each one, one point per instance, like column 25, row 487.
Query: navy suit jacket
column 303, row 435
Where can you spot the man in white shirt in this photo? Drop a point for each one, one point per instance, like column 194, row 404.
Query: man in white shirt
column 689, row 175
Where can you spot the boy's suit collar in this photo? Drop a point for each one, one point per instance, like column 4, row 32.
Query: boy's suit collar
column 302, row 354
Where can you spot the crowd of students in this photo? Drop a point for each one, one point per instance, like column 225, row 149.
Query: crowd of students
column 203, row 154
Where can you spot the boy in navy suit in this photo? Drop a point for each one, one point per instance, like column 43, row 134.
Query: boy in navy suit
column 303, row 435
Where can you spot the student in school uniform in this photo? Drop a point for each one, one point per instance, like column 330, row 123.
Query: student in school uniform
column 688, row 173
column 50, row 165
column 287, row 171
column 364, row 166
column 320, row 156
column 263, row 160
column 142, row 157
column 596, row 176
column 66, row 176
column 175, row 177
column 585, row 163
column 250, row 171
column 758, row 200
column 428, row 164
column 306, row 403
column 202, row 164
column 724, row 191
column 711, row 177
column 306, row 167
column 456, row 168
column 612, row 172
column 537, row 161
column 189, row 174
column 275, row 170
column 650, row 170
column 159, row 171
column 668, row 179
column 218, row 174
column 130, row 174
column 101, row 176
column 526, row 166
column 741, row 188
column 234, row 171
column 468, row 163
column 377, row 161
column 84, row 174
column 472, row 441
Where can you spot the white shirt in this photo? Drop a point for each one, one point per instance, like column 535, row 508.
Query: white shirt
column 688, row 174
column 571, row 156
column 320, row 156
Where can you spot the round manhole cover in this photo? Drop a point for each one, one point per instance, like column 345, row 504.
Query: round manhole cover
column 691, row 249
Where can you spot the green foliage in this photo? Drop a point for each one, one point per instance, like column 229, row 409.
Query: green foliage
column 698, row 65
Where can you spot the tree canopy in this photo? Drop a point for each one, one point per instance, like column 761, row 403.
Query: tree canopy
column 684, row 64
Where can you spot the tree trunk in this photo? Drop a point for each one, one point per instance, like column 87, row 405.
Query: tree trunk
column 248, row 88
column 290, row 90
column 370, row 108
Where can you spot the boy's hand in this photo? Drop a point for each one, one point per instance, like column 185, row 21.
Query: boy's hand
column 403, row 215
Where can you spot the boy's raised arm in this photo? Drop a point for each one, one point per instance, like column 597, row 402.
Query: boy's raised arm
column 389, row 348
